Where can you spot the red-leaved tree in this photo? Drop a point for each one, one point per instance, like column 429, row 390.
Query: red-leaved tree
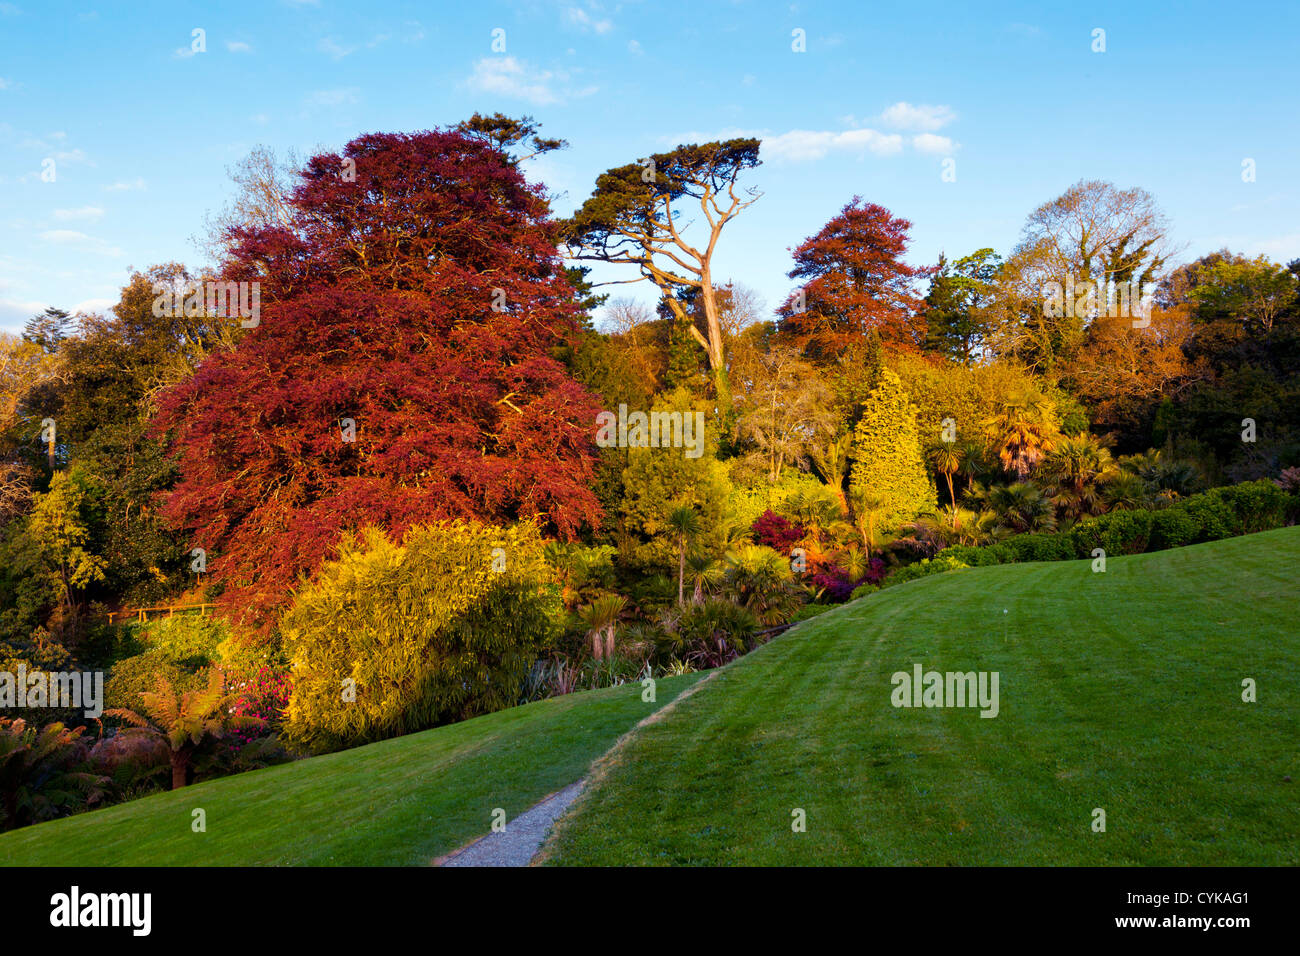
column 416, row 292
column 855, row 282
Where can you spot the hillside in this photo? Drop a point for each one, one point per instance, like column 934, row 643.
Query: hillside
column 399, row 802
column 1120, row 691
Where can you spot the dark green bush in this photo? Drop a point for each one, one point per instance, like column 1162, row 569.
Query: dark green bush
column 1173, row 528
column 134, row 675
column 941, row 562
column 1119, row 532
column 1055, row 546
column 1214, row 519
column 701, row 626
column 1209, row 516
column 1257, row 505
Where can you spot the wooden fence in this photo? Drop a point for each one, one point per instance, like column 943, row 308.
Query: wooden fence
column 142, row 613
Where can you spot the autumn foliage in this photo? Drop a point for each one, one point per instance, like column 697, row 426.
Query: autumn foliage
column 416, row 292
column 856, row 282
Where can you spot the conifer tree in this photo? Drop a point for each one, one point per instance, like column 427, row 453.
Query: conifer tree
column 887, row 453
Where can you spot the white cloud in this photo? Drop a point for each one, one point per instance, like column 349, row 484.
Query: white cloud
column 632, row 47
column 579, row 18
column 88, row 213
column 930, row 143
column 907, row 116
column 64, row 235
column 125, row 185
column 71, row 237
column 506, row 76
column 238, row 46
column 333, row 49
column 87, row 306
column 802, row 144
column 1279, row 249
column 5, row 84
column 327, row 98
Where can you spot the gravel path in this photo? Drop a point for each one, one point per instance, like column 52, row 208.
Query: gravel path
column 517, row 844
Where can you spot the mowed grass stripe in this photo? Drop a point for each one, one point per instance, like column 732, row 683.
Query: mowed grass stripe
column 1119, row 690
column 399, row 802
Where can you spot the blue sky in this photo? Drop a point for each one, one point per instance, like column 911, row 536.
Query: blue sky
column 141, row 128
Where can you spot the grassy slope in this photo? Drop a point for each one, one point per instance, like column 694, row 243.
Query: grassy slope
column 1119, row 690
column 399, row 802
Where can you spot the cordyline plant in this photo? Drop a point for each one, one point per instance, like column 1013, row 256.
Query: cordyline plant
column 416, row 291
column 185, row 720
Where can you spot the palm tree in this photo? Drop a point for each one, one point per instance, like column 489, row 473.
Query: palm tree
column 832, row 463
column 685, row 524
column 1022, row 432
column 1077, row 465
column 760, row 580
column 1125, row 492
column 1023, row 507
column 868, row 513
column 600, row 618
column 946, row 457
column 185, row 720
column 818, row 511
column 705, row 574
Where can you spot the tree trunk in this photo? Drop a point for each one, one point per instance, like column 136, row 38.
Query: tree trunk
column 180, row 763
column 681, row 572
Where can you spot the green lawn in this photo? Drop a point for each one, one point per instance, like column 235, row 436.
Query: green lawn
column 1119, row 690
column 400, row 802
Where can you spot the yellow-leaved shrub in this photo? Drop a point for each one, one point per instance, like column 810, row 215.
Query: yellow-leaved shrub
column 393, row 638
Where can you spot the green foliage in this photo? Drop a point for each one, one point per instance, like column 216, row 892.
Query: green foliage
column 760, row 579
column 887, row 454
column 658, row 480
column 41, row 772
column 1210, row 516
column 959, row 290
column 924, row 568
column 58, row 528
column 711, row 633
column 134, row 676
column 1173, row 528
column 178, row 649
column 748, row 502
column 424, row 632
column 812, row 610
column 862, row 590
column 1118, row 532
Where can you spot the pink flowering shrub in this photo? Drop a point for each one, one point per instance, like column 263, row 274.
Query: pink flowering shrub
column 265, row 695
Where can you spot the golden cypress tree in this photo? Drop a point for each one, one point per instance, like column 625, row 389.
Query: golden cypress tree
column 887, row 454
